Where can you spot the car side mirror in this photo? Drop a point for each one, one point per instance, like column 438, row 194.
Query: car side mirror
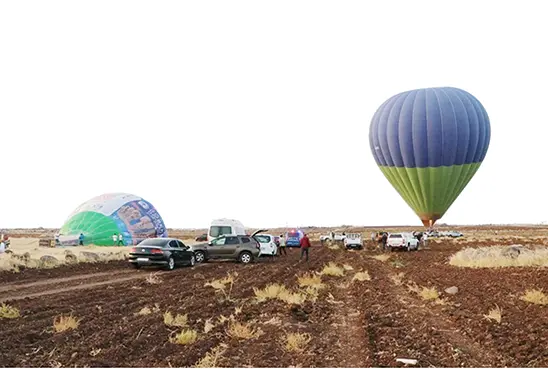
column 210, row 243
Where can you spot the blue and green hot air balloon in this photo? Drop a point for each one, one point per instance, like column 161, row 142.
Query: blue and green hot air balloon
column 429, row 143
column 102, row 217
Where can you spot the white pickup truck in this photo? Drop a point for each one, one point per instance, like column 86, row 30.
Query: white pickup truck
column 402, row 240
column 353, row 241
column 332, row 237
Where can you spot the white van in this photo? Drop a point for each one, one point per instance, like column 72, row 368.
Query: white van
column 224, row 226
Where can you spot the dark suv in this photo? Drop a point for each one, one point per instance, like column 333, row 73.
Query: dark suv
column 238, row 247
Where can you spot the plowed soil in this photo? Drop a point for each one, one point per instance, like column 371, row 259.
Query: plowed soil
column 351, row 324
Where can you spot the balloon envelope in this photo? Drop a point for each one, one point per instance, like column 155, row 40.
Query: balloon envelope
column 103, row 216
column 429, row 143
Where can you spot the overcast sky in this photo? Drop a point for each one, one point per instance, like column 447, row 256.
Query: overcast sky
column 257, row 110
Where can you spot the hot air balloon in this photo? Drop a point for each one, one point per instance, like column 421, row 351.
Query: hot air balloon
column 101, row 217
column 429, row 143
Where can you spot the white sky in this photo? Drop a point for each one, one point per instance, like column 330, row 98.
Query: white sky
column 258, row 110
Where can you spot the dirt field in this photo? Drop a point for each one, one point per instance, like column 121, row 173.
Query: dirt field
column 351, row 323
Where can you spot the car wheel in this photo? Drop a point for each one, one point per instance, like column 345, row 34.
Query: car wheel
column 245, row 257
column 192, row 260
column 199, row 256
column 170, row 263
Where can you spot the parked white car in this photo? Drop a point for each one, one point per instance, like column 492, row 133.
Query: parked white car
column 332, row 237
column 402, row 240
column 353, row 241
column 267, row 243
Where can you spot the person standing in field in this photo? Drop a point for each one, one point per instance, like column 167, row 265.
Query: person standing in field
column 81, row 239
column 305, row 245
column 114, row 239
column 282, row 245
column 424, row 240
column 120, row 239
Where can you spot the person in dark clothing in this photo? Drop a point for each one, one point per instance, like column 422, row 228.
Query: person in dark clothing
column 383, row 240
column 305, row 245
column 81, row 239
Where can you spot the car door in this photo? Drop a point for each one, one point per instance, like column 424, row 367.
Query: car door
column 184, row 252
column 230, row 247
column 175, row 251
column 215, row 248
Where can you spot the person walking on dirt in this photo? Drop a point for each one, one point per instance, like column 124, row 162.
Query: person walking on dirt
column 114, row 239
column 282, row 245
column 305, row 245
column 81, row 239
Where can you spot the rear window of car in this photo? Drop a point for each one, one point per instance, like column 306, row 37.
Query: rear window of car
column 295, row 234
column 246, row 240
column 153, row 242
column 396, row 236
column 263, row 238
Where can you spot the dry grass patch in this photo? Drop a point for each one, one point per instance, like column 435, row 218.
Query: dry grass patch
column 332, row 269
column 500, row 257
column 347, row 267
column 147, row 311
column 296, row 342
column 220, row 285
column 397, row 279
column 361, row 276
column 186, row 337
column 211, row 359
column 494, row 314
column 9, row 312
column 382, row 257
column 242, row 331
column 153, row 278
column 270, row 292
column 426, row 293
column 177, row 321
column 64, row 323
column 310, row 280
column 208, row 325
column 535, row 296
column 293, row 298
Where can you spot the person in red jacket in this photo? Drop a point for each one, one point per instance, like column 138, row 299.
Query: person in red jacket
column 305, row 244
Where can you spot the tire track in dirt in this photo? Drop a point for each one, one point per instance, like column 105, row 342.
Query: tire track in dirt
column 15, row 292
column 22, row 285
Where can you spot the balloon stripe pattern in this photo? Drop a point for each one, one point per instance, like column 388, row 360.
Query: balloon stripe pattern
column 429, row 143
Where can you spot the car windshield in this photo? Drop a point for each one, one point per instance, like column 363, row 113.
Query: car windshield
column 154, row 242
column 395, row 236
column 216, row 231
column 262, row 238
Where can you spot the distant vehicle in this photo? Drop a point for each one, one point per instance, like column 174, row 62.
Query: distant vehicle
column 454, row 234
column 166, row 252
column 433, row 234
column 293, row 238
column 201, row 238
column 220, row 227
column 268, row 244
column 402, row 240
column 332, row 237
column 353, row 241
column 241, row 248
